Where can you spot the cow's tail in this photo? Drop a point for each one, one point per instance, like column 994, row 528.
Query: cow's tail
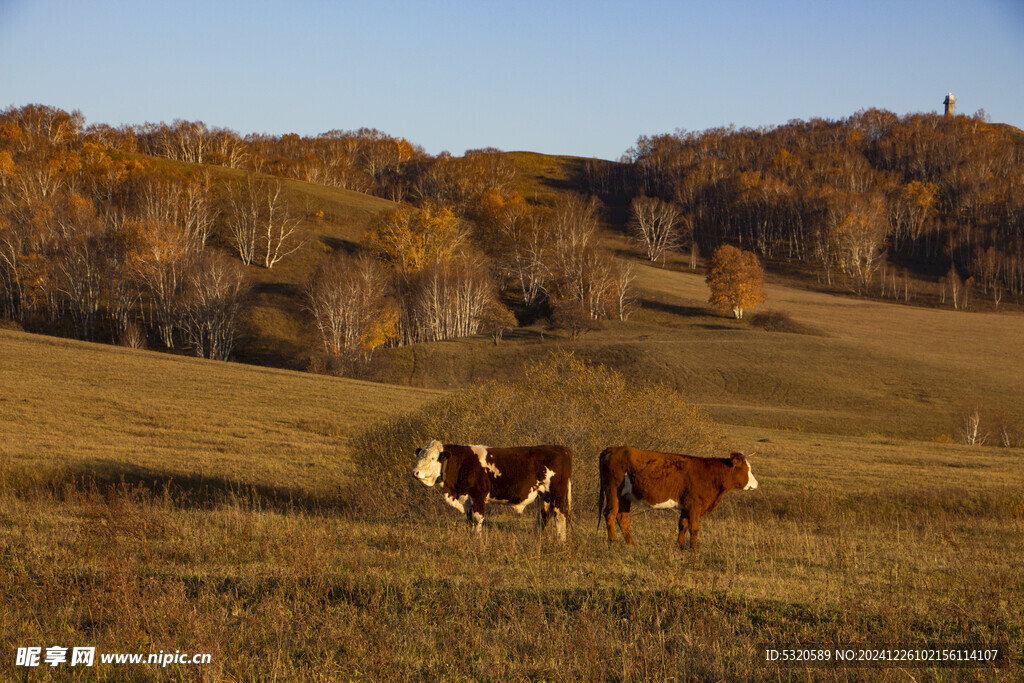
column 568, row 490
column 601, row 485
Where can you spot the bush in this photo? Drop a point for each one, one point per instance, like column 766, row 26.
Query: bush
column 781, row 321
column 568, row 315
column 773, row 321
column 559, row 400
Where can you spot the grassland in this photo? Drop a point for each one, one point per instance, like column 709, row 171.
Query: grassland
column 150, row 502
column 73, row 409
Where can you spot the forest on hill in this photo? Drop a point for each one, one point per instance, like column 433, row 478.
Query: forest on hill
column 159, row 233
column 926, row 192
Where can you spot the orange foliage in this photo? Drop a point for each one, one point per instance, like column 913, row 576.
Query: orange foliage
column 736, row 280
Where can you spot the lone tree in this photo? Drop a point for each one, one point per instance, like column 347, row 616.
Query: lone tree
column 736, row 280
column 496, row 320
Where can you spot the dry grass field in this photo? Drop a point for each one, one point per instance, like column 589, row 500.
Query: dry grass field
column 151, row 502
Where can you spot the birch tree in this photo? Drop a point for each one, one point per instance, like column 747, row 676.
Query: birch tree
column 261, row 224
column 653, row 223
column 351, row 305
column 212, row 296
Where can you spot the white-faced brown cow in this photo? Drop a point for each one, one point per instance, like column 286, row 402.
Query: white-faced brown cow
column 692, row 485
column 472, row 476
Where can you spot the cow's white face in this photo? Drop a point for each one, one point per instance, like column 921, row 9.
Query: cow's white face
column 428, row 465
column 751, row 481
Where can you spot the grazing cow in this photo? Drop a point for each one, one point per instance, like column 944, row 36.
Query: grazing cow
column 692, row 485
column 472, row 476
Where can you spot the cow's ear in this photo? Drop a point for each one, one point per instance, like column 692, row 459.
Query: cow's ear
column 736, row 458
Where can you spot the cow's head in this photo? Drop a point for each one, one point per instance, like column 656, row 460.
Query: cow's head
column 744, row 478
column 429, row 467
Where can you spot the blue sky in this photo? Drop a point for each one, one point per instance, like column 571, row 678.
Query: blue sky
column 561, row 77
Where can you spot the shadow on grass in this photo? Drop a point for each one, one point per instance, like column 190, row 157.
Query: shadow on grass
column 337, row 244
column 113, row 481
column 675, row 309
column 286, row 290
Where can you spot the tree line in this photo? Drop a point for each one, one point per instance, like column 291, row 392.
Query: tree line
column 925, row 193
column 99, row 242
column 103, row 246
column 433, row 272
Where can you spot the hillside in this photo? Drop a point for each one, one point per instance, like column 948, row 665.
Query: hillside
column 76, row 409
column 850, row 366
column 105, row 234
column 274, row 328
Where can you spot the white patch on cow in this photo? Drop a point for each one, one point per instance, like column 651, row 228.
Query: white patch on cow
column 481, row 452
column 627, row 490
column 457, row 503
column 428, row 468
column 751, row 482
column 543, row 485
column 520, row 506
column 478, row 522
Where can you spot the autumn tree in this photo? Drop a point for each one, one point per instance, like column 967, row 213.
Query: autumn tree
column 15, row 252
column 411, row 238
column 622, row 288
column 460, row 182
column 496, row 320
column 211, row 299
column 78, row 262
column 653, row 224
column 580, row 268
column 736, row 280
column 573, row 252
column 858, row 240
column 447, row 299
column 520, row 242
column 571, row 317
column 159, row 257
column 262, row 225
column 350, row 300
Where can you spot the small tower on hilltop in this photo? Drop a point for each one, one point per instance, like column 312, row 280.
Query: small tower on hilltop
column 950, row 102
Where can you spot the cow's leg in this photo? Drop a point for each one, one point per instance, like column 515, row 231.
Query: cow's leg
column 548, row 507
column 684, row 525
column 475, row 512
column 560, row 519
column 611, row 510
column 624, row 506
column 558, row 509
column 694, row 530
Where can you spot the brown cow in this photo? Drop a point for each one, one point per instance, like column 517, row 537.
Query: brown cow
column 692, row 485
column 473, row 476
